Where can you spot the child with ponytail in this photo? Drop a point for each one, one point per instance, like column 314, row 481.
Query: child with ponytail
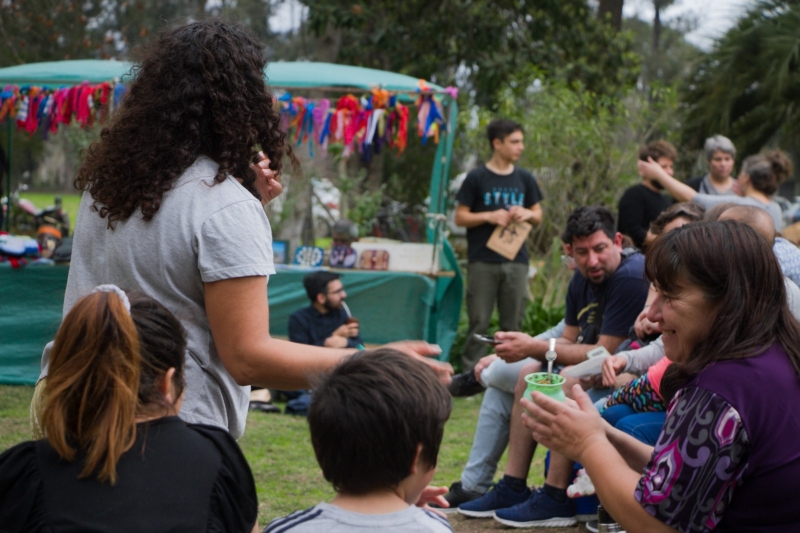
column 116, row 457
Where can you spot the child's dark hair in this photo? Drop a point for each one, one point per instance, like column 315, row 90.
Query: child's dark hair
column 104, row 371
column 586, row 220
column 689, row 210
column 369, row 415
column 500, row 128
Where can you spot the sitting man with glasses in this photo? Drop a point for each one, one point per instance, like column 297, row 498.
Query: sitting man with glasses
column 326, row 321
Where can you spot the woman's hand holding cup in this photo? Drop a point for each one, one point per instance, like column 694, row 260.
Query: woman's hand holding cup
column 569, row 428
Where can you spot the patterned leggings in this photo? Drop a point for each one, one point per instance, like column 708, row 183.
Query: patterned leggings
column 639, row 394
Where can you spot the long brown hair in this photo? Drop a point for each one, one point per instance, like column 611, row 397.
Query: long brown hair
column 739, row 275
column 104, row 370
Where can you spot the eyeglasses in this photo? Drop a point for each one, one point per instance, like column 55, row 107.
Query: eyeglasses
column 337, row 291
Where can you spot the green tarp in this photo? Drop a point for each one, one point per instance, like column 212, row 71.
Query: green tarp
column 278, row 74
column 390, row 306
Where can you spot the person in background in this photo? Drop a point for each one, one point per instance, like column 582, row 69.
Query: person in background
column 172, row 205
column 735, row 345
column 325, row 322
column 376, row 423
column 116, row 457
column 642, row 203
column 758, row 181
column 720, row 157
column 344, row 233
column 493, row 195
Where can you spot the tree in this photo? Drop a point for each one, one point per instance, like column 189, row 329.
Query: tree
column 480, row 45
column 48, row 30
column 612, row 10
column 748, row 86
column 666, row 60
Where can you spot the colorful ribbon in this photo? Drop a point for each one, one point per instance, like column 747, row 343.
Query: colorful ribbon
column 37, row 108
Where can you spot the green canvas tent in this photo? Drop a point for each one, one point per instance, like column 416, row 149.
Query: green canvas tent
column 294, row 75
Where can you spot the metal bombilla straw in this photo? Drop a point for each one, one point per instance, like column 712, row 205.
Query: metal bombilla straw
column 550, row 355
column 347, row 310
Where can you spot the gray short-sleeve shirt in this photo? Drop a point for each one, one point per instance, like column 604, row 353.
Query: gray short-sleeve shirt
column 203, row 232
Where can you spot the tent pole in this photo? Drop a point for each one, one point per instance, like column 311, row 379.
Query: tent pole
column 8, row 176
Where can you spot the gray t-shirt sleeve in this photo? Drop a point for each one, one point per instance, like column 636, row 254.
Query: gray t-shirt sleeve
column 709, row 201
column 643, row 358
column 235, row 242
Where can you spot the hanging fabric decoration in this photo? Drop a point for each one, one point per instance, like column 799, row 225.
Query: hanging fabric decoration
column 430, row 115
column 45, row 108
column 365, row 125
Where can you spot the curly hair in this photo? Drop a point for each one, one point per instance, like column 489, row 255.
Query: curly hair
column 586, row 220
column 197, row 89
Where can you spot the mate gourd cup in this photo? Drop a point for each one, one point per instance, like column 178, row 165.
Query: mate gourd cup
column 538, row 382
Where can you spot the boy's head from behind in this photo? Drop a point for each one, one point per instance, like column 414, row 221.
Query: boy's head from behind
column 369, row 416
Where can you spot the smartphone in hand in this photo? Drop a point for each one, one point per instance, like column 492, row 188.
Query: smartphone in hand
column 487, row 339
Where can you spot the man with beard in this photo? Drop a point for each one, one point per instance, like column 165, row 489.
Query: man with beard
column 605, row 295
column 325, row 321
column 642, row 203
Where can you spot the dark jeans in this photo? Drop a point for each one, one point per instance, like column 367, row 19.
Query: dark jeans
column 487, row 283
column 644, row 427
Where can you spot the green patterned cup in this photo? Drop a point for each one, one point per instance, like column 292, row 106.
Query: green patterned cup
column 538, row 382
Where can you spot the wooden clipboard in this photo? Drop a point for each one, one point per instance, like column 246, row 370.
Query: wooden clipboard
column 507, row 240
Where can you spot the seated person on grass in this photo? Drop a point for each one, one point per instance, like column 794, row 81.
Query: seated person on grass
column 325, row 321
column 604, row 298
column 376, row 424
column 727, row 457
column 116, row 457
column 498, row 378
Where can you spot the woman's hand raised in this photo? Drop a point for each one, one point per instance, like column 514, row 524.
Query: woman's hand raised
column 267, row 183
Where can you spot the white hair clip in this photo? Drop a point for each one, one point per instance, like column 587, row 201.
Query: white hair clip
column 119, row 292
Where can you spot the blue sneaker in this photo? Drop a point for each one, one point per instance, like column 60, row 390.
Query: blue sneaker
column 540, row 510
column 499, row 496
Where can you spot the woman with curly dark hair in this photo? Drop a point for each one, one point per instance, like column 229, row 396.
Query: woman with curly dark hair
column 171, row 207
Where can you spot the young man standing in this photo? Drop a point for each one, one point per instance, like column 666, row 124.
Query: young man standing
column 493, row 195
column 642, row 203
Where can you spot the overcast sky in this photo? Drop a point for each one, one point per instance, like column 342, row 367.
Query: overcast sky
column 714, row 17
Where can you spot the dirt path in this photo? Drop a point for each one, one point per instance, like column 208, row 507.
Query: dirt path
column 462, row 524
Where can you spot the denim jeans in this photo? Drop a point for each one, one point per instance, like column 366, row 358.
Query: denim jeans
column 644, row 427
column 491, row 439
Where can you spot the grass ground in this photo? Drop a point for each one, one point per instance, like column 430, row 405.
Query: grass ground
column 279, row 451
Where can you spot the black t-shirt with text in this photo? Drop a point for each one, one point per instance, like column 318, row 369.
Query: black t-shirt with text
column 483, row 190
